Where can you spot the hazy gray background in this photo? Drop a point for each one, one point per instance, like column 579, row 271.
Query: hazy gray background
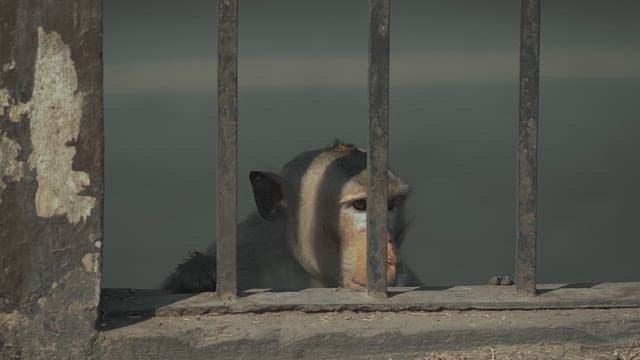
column 453, row 127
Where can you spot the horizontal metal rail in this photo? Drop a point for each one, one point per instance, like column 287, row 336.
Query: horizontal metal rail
column 124, row 302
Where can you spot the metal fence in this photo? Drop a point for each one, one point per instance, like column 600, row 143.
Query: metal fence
column 378, row 149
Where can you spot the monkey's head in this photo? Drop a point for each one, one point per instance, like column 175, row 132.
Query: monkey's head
column 322, row 196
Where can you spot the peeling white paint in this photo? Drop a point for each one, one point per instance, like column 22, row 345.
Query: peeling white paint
column 5, row 100
column 9, row 66
column 55, row 111
column 12, row 320
column 90, row 262
column 17, row 110
column 9, row 165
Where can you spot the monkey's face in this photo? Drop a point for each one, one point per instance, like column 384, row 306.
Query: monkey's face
column 322, row 197
column 352, row 231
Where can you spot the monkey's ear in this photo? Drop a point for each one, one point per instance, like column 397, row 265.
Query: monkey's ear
column 267, row 192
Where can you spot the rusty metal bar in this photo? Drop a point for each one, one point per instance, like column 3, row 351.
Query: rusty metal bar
column 227, row 166
column 377, row 155
column 527, row 182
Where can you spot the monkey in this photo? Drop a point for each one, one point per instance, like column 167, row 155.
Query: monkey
column 309, row 230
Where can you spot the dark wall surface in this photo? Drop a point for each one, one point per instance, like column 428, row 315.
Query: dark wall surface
column 51, row 177
column 454, row 102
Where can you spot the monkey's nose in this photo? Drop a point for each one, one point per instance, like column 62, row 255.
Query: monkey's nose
column 392, row 256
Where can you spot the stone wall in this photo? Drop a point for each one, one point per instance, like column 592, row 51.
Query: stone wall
column 51, row 177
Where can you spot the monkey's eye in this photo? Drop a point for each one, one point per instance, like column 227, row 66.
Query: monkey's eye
column 360, row 204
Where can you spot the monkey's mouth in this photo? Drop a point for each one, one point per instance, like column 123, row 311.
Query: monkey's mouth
column 391, row 277
column 357, row 283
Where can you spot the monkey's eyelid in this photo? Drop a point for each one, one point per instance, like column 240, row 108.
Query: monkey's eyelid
column 351, row 200
column 393, row 202
column 354, row 197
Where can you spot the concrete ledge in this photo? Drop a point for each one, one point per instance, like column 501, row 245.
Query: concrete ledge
column 118, row 302
column 342, row 323
column 358, row 335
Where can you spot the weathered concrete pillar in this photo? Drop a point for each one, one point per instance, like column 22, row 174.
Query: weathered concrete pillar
column 51, row 177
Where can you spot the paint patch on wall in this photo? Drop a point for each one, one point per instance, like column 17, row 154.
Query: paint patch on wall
column 8, row 66
column 55, row 111
column 4, row 100
column 90, row 262
column 10, row 167
column 17, row 110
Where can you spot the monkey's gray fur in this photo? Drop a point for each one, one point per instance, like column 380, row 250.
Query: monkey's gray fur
column 266, row 245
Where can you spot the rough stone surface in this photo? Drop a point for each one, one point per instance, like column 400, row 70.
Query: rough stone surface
column 565, row 321
column 512, row 334
column 51, row 185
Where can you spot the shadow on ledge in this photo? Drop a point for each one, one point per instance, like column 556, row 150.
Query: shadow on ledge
column 122, row 307
column 568, row 286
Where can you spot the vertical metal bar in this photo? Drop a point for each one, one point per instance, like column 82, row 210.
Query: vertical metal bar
column 527, row 188
column 377, row 155
column 227, row 166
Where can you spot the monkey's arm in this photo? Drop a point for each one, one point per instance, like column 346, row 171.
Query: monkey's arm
column 196, row 274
